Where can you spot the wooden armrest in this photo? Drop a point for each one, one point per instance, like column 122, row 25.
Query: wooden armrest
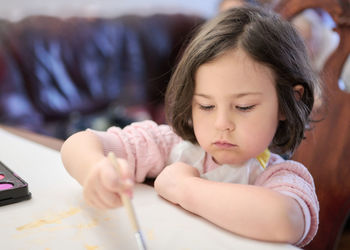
column 47, row 141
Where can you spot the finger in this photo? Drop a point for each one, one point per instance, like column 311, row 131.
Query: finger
column 115, row 182
column 109, row 199
column 97, row 201
column 96, row 196
column 92, row 199
column 125, row 169
column 88, row 192
column 106, row 201
column 127, row 177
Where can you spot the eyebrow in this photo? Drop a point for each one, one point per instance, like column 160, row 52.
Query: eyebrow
column 239, row 95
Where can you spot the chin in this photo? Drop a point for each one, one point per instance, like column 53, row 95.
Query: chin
column 228, row 160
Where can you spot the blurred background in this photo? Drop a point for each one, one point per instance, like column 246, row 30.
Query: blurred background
column 65, row 64
column 17, row 9
column 61, row 61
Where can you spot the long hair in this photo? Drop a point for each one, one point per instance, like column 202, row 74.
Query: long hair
column 267, row 39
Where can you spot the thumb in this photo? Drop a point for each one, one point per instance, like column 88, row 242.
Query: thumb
column 126, row 176
column 123, row 169
column 117, row 175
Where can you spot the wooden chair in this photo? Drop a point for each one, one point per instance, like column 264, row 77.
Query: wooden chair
column 326, row 151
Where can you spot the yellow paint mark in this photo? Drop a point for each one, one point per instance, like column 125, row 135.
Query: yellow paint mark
column 91, row 224
column 55, row 228
column 91, row 247
column 51, row 220
column 150, row 235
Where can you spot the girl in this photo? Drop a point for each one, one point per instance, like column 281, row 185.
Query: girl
column 243, row 88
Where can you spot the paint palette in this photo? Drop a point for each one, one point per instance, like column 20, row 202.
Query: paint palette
column 12, row 187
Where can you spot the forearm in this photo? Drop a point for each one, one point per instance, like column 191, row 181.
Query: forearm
column 247, row 210
column 79, row 152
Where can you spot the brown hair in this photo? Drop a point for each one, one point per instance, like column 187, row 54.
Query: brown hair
column 267, row 39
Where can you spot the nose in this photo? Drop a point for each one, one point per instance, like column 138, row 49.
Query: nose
column 224, row 121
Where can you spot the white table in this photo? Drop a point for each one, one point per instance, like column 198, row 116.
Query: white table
column 56, row 218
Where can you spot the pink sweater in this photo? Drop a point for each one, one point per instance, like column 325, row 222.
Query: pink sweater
column 146, row 146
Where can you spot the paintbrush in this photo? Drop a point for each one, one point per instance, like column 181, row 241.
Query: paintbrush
column 129, row 207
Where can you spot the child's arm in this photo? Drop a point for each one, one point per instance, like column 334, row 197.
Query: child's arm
column 145, row 146
column 83, row 157
column 79, row 152
column 251, row 211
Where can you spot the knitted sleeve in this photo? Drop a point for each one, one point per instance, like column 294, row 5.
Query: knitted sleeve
column 293, row 179
column 145, row 145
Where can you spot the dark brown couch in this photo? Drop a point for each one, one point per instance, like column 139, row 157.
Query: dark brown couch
column 58, row 76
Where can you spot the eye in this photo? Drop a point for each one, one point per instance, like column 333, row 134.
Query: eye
column 206, row 107
column 245, row 108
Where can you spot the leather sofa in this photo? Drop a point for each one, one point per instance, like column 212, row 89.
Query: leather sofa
column 58, row 76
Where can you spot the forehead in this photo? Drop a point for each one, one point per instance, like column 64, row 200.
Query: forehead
column 237, row 68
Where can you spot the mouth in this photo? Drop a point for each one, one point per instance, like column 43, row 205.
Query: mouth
column 224, row 144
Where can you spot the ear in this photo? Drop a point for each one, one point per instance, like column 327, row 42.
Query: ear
column 298, row 91
column 281, row 116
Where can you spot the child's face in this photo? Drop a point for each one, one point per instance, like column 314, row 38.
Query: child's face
column 235, row 107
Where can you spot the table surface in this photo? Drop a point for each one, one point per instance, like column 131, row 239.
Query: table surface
column 57, row 218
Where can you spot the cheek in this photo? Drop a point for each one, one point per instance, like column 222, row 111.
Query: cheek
column 256, row 138
column 198, row 126
column 269, row 129
column 261, row 130
column 201, row 126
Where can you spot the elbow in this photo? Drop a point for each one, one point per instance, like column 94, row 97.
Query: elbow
column 292, row 223
column 70, row 147
column 74, row 140
column 66, row 152
column 66, row 147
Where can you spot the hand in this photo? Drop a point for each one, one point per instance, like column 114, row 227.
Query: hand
column 103, row 185
column 170, row 182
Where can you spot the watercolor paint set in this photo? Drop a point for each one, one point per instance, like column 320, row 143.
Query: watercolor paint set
column 12, row 187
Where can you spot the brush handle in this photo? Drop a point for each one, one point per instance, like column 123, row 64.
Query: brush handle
column 125, row 198
column 131, row 212
column 128, row 206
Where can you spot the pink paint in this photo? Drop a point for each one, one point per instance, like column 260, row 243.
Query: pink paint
column 4, row 186
column 2, row 176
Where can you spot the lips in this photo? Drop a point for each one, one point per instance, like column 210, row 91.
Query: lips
column 224, row 144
